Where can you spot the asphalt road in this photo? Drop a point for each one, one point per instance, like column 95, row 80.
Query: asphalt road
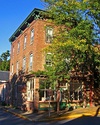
column 9, row 119
column 85, row 120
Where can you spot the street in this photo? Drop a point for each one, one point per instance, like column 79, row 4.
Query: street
column 7, row 118
column 86, row 120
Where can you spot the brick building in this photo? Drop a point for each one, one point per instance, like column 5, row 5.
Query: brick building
column 27, row 55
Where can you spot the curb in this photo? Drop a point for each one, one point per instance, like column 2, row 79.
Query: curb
column 71, row 116
column 16, row 114
column 45, row 119
column 74, row 116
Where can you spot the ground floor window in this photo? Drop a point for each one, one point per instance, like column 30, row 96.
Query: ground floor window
column 76, row 91
column 30, row 90
column 46, row 91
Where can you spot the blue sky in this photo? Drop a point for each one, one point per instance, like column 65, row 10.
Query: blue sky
column 13, row 13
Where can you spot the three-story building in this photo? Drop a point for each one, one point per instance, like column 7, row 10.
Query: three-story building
column 27, row 44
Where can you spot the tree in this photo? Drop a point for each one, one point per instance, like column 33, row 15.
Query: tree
column 5, row 55
column 75, row 45
column 5, row 61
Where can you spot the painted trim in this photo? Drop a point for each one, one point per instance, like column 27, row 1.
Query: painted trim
column 32, row 16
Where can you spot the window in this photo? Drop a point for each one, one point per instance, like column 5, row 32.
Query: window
column 24, row 63
column 30, row 89
column 12, row 51
column 46, row 92
column 48, row 59
column 31, row 62
column 18, row 47
column 32, row 36
column 25, row 39
column 49, row 34
column 17, row 67
column 12, row 69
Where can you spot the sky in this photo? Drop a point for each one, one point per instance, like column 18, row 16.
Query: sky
column 12, row 14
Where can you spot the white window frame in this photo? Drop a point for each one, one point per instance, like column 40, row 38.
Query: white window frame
column 32, row 36
column 24, row 63
column 17, row 67
column 18, row 47
column 49, row 34
column 25, row 40
column 31, row 62
column 48, row 62
column 12, row 52
column 30, row 90
column 12, row 69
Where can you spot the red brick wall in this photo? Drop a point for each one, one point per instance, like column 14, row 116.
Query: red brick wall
column 36, row 48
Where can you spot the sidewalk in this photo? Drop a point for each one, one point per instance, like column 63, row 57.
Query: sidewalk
column 45, row 116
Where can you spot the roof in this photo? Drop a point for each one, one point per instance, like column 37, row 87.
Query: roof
column 35, row 14
column 4, row 76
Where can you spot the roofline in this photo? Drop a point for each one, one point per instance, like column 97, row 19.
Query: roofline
column 25, row 23
column 4, row 81
column 4, row 71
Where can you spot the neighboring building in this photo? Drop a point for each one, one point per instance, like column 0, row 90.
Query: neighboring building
column 27, row 44
column 4, row 87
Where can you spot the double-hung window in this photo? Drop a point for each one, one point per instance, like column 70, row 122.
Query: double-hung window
column 25, row 39
column 18, row 47
column 48, row 59
column 12, row 69
column 49, row 34
column 30, row 89
column 31, row 62
column 12, row 52
column 17, row 67
column 24, row 63
column 32, row 36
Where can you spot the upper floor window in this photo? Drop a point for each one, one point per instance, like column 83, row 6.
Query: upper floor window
column 49, row 34
column 24, row 63
column 31, row 62
column 12, row 51
column 25, row 39
column 17, row 67
column 48, row 59
column 32, row 36
column 18, row 47
column 12, row 69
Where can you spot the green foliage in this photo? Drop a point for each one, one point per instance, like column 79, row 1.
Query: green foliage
column 39, row 73
column 5, row 65
column 5, row 55
column 76, row 39
column 5, row 61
